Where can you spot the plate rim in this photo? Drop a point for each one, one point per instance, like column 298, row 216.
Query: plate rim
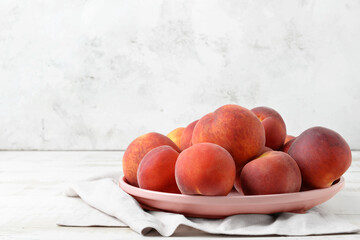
column 250, row 199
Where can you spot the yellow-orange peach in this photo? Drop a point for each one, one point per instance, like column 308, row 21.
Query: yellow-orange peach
column 157, row 170
column 273, row 172
column 322, row 155
column 275, row 129
column 137, row 150
column 236, row 129
column 205, row 169
column 186, row 136
column 175, row 135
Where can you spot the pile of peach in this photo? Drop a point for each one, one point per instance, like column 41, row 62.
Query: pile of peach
column 236, row 147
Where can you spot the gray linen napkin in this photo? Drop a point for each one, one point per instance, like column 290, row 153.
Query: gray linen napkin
column 116, row 208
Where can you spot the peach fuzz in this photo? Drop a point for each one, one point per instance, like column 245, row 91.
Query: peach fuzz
column 236, row 129
column 274, row 125
column 137, row 150
column 175, row 135
column 157, row 170
column 322, row 155
column 205, row 169
column 186, row 136
column 274, row 172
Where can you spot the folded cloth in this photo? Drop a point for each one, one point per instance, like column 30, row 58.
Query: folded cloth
column 116, row 208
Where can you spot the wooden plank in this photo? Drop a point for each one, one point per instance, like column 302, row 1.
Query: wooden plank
column 32, row 183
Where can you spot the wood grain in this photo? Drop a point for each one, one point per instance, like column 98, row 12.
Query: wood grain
column 32, row 185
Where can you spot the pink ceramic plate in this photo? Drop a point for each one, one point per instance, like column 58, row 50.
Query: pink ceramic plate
column 234, row 203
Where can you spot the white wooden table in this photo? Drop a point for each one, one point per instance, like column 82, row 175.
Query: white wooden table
column 31, row 196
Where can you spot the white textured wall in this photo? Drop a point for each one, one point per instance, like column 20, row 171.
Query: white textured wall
column 82, row 74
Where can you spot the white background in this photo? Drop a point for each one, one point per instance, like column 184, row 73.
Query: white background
column 93, row 75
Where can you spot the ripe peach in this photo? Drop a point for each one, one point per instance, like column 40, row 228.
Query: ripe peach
column 137, row 150
column 236, row 129
column 186, row 136
column 175, row 135
column 273, row 172
column 205, row 169
column 157, row 170
column 275, row 129
column 237, row 184
column 322, row 155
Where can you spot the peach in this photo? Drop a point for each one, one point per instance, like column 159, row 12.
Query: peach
column 322, row 155
column 205, row 169
column 275, row 129
column 186, row 136
column 287, row 145
column 274, row 172
column 157, row 170
column 175, row 135
column 237, row 184
column 137, row 150
column 236, row 129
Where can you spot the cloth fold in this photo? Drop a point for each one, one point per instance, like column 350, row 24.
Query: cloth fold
column 109, row 205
